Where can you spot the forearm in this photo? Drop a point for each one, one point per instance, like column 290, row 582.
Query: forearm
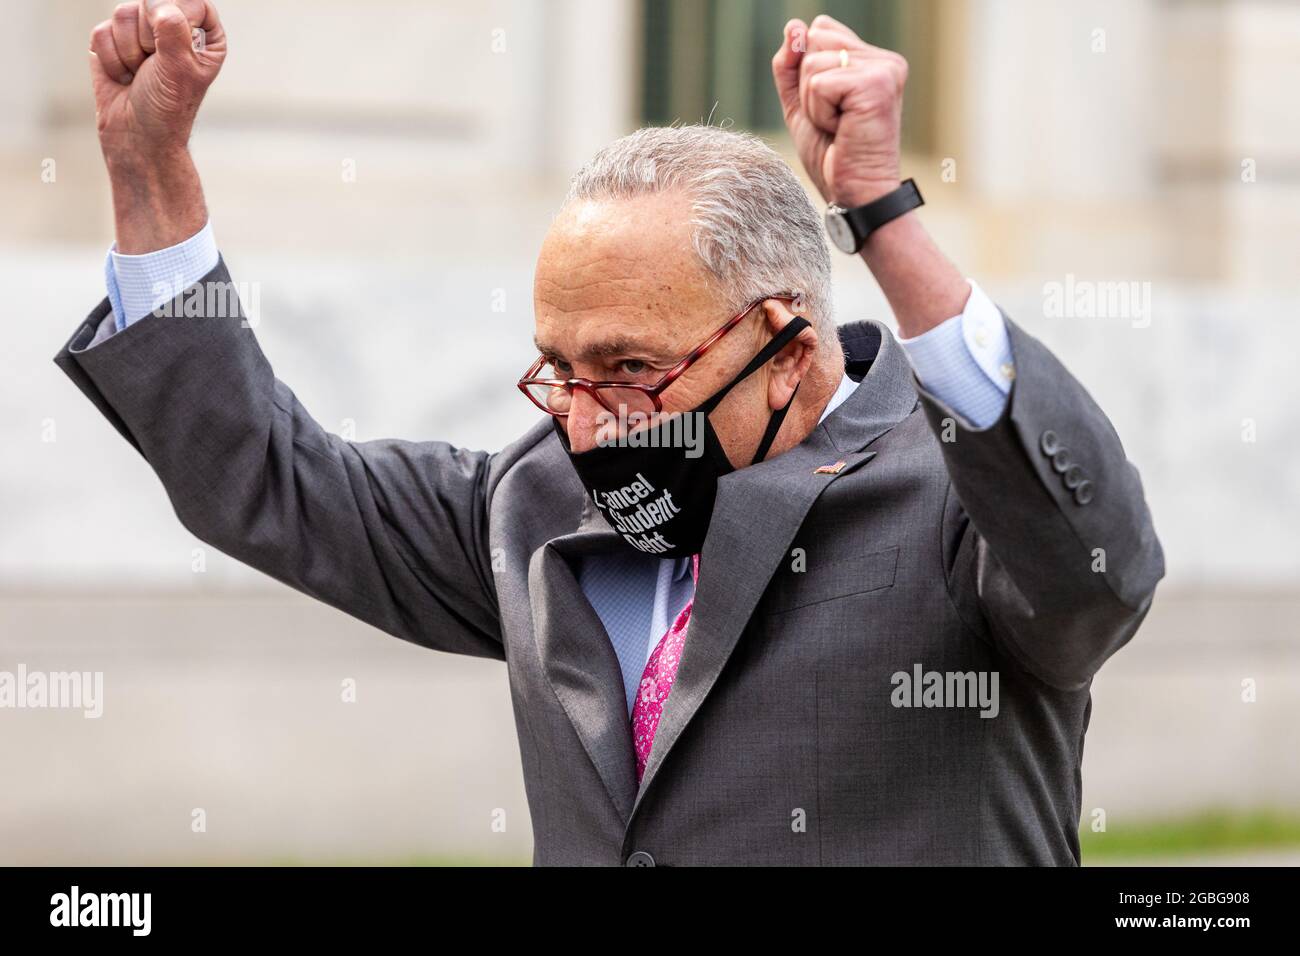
column 157, row 202
column 923, row 287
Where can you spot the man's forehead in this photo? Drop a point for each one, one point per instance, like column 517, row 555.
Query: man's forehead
column 620, row 276
column 601, row 249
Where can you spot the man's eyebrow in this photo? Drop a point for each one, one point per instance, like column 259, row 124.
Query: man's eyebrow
column 604, row 348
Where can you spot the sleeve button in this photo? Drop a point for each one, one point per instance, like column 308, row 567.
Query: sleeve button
column 1084, row 493
column 1049, row 443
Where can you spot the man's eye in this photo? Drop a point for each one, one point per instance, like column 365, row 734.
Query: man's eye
column 562, row 368
column 632, row 366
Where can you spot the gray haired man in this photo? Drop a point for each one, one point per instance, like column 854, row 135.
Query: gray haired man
column 858, row 625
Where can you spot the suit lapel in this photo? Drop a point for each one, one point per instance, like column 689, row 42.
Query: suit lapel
column 756, row 516
column 578, row 658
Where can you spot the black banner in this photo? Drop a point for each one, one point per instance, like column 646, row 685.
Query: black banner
column 236, row 904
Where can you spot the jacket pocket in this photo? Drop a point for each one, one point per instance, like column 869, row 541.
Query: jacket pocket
column 842, row 577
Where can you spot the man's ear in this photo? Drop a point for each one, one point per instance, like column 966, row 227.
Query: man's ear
column 791, row 364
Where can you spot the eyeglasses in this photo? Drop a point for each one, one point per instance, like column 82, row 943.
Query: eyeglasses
column 555, row 395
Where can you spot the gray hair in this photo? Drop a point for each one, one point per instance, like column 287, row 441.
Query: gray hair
column 755, row 229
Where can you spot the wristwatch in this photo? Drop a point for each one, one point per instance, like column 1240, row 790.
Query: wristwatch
column 849, row 228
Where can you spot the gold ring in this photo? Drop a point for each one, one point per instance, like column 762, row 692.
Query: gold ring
column 844, row 58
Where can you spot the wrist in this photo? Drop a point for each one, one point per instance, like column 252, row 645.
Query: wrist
column 899, row 231
column 157, row 200
column 144, row 166
column 860, row 192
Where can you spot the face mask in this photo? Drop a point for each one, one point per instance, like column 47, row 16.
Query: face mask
column 659, row 499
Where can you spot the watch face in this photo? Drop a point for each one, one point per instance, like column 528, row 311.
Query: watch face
column 838, row 228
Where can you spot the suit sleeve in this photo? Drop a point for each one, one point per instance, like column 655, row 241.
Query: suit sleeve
column 391, row 532
column 1049, row 545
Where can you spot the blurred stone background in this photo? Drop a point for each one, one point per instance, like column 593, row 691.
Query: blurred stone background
column 1148, row 141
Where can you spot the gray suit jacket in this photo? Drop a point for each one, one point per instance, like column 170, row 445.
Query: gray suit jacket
column 781, row 742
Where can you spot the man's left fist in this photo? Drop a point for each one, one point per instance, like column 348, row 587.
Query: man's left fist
column 843, row 104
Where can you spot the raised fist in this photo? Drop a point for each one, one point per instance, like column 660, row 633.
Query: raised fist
column 150, row 65
column 843, row 105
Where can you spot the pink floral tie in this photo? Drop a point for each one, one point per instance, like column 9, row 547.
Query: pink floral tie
column 657, row 680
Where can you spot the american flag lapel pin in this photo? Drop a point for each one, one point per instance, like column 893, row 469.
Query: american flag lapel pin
column 834, row 469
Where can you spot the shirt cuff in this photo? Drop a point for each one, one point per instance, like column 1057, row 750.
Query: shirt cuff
column 139, row 284
column 966, row 360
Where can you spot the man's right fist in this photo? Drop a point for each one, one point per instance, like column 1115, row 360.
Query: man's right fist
column 149, row 68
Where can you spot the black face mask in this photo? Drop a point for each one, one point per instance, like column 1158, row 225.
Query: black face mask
column 648, row 488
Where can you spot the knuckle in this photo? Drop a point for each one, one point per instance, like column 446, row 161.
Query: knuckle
column 125, row 12
column 885, row 78
column 880, row 84
column 101, row 33
column 815, row 64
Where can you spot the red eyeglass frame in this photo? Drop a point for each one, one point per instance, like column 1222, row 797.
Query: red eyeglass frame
column 651, row 391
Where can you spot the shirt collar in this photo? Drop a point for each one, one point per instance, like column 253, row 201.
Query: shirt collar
column 847, row 385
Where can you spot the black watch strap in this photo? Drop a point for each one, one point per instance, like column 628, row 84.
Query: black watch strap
column 864, row 220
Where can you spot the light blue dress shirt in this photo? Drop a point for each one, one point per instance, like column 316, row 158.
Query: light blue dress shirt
column 965, row 361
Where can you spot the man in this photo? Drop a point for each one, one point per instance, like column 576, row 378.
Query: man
column 852, row 617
